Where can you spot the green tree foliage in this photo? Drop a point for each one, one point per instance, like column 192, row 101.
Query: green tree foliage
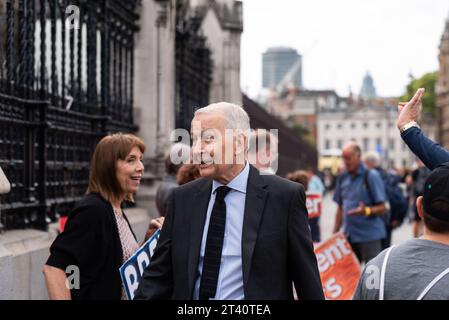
column 304, row 134
column 427, row 81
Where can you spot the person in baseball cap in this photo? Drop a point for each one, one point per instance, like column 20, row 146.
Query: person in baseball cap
column 434, row 204
column 417, row 269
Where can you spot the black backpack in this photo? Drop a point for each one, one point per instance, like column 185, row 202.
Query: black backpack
column 396, row 198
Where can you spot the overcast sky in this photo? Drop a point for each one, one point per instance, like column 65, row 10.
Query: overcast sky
column 340, row 40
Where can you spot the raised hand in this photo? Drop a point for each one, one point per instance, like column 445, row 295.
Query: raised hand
column 410, row 111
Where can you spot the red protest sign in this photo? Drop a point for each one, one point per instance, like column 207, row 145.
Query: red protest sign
column 339, row 268
column 62, row 222
column 313, row 204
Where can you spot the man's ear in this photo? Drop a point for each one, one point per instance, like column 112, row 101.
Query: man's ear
column 240, row 151
column 239, row 141
column 419, row 206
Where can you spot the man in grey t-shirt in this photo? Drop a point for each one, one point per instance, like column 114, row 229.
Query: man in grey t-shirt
column 419, row 268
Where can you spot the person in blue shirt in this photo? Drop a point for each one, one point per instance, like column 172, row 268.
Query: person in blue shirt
column 360, row 195
column 315, row 185
column 315, row 182
column 430, row 152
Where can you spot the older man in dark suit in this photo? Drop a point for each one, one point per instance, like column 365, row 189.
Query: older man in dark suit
column 233, row 234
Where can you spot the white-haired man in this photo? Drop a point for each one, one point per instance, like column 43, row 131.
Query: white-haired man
column 233, row 234
column 398, row 203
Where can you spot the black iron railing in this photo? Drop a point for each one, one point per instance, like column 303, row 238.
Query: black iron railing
column 193, row 67
column 66, row 80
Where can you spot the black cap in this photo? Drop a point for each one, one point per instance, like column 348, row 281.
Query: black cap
column 437, row 189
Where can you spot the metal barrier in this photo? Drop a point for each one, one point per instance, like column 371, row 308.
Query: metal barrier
column 66, row 80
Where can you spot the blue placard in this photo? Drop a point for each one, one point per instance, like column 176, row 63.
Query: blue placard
column 132, row 270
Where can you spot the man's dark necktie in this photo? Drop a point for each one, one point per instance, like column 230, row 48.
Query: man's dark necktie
column 214, row 246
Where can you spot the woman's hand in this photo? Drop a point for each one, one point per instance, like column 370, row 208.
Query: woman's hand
column 155, row 224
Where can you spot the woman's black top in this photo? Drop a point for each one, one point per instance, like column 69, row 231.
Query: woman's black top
column 91, row 242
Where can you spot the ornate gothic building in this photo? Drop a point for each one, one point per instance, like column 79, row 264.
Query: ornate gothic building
column 443, row 89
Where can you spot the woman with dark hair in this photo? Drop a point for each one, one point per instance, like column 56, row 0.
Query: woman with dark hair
column 97, row 238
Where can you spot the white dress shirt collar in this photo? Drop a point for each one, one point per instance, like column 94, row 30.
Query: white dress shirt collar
column 239, row 183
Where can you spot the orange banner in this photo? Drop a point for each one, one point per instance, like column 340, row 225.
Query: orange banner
column 339, row 268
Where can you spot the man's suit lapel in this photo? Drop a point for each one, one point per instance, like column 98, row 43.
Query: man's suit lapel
column 197, row 220
column 256, row 195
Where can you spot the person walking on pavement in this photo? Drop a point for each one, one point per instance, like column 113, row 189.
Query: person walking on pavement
column 360, row 195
